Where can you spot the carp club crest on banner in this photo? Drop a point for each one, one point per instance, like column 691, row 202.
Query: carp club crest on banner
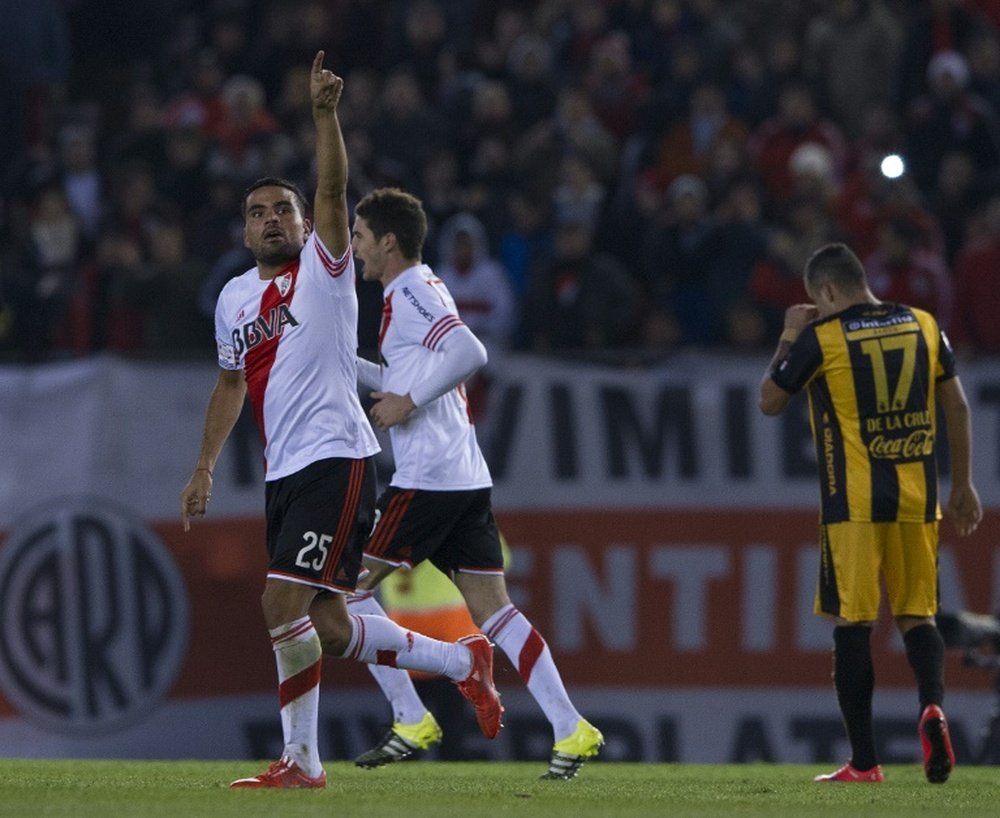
column 95, row 619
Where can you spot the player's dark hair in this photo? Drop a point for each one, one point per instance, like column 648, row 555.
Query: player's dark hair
column 391, row 210
column 276, row 181
column 837, row 264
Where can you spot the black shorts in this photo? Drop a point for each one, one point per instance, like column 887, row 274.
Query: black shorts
column 318, row 520
column 455, row 530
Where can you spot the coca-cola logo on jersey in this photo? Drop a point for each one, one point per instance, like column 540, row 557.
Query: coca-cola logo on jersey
column 919, row 443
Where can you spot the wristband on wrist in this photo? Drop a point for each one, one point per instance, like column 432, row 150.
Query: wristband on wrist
column 202, row 468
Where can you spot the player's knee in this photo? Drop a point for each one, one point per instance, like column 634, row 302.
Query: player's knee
column 335, row 638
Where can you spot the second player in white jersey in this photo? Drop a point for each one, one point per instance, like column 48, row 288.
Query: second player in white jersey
column 436, row 448
column 289, row 335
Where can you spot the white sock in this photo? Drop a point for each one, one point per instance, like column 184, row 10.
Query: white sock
column 513, row 633
column 379, row 640
column 298, row 653
column 396, row 684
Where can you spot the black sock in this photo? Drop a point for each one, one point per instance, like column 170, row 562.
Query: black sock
column 854, row 681
column 925, row 653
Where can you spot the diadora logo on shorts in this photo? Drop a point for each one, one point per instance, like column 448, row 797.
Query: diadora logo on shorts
column 93, row 617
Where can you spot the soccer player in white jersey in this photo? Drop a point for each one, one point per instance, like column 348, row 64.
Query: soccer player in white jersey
column 438, row 505
column 287, row 336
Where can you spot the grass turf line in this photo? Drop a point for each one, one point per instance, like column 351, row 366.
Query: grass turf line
column 193, row 789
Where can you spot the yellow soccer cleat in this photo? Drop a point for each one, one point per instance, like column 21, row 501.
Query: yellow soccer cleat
column 569, row 754
column 401, row 740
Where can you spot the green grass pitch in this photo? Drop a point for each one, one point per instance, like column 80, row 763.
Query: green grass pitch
column 192, row 789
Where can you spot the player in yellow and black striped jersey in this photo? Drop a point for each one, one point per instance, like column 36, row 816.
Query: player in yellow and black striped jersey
column 876, row 375
column 870, row 372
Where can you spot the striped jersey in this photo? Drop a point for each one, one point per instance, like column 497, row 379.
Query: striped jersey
column 436, row 448
column 870, row 372
column 295, row 338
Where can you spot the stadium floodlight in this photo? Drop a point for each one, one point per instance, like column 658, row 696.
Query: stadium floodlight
column 892, row 166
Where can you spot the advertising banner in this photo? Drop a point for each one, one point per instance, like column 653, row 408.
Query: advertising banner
column 662, row 537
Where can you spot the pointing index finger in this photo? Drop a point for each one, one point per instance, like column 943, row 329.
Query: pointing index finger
column 318, row 62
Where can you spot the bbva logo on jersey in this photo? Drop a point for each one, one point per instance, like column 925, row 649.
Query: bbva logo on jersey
column 264, row 327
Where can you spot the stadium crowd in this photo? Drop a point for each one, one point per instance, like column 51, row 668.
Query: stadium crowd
column 600, row 175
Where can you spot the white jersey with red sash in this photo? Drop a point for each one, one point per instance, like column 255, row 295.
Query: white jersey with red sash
column 295, row 338
column 436, row 448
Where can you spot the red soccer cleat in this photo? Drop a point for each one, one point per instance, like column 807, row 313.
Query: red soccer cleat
column 478, row 688
column 939, row 758
column 851, row 775
column 283, row 774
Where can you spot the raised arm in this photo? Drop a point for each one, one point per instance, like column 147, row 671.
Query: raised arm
column 330, row 216
column 773, row 399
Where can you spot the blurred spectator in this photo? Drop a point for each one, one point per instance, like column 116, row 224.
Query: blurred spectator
column 578, row 29
column 529, row 68
column 745, row 328
column 82, row 182
column 813, row 175
column 133, row 200
column 167, row 289
column 229, row 38
column 482, row 292
column 748, row 93
column 245, row 131
column 578, row 195
column 406, row 132
column 581, row 300
column 526, row 241
column 776, row 280
column 215, row 225
column 183, row 177
column 43, row 276
column 616, row 89
column 522, row 114
column 424, row 38
column 35, row 63
column 974, row 325
column 871, row 198
column 797, row 122
column 950, row 118
column 442, row 196
column 117, row 308
column 984, row 66
column 685, row 70
column 141, row 139
column 359, row 103
column 657, row 37
column 740, row 240
column 200, row 104
column 690, row 144
column 959, row 194
column 477, row 281
column 674, row 272
column 903, row 271
column 851, row 55
column 577, row 129
column 782, row 58
column 490, row 116
column 932, row 27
